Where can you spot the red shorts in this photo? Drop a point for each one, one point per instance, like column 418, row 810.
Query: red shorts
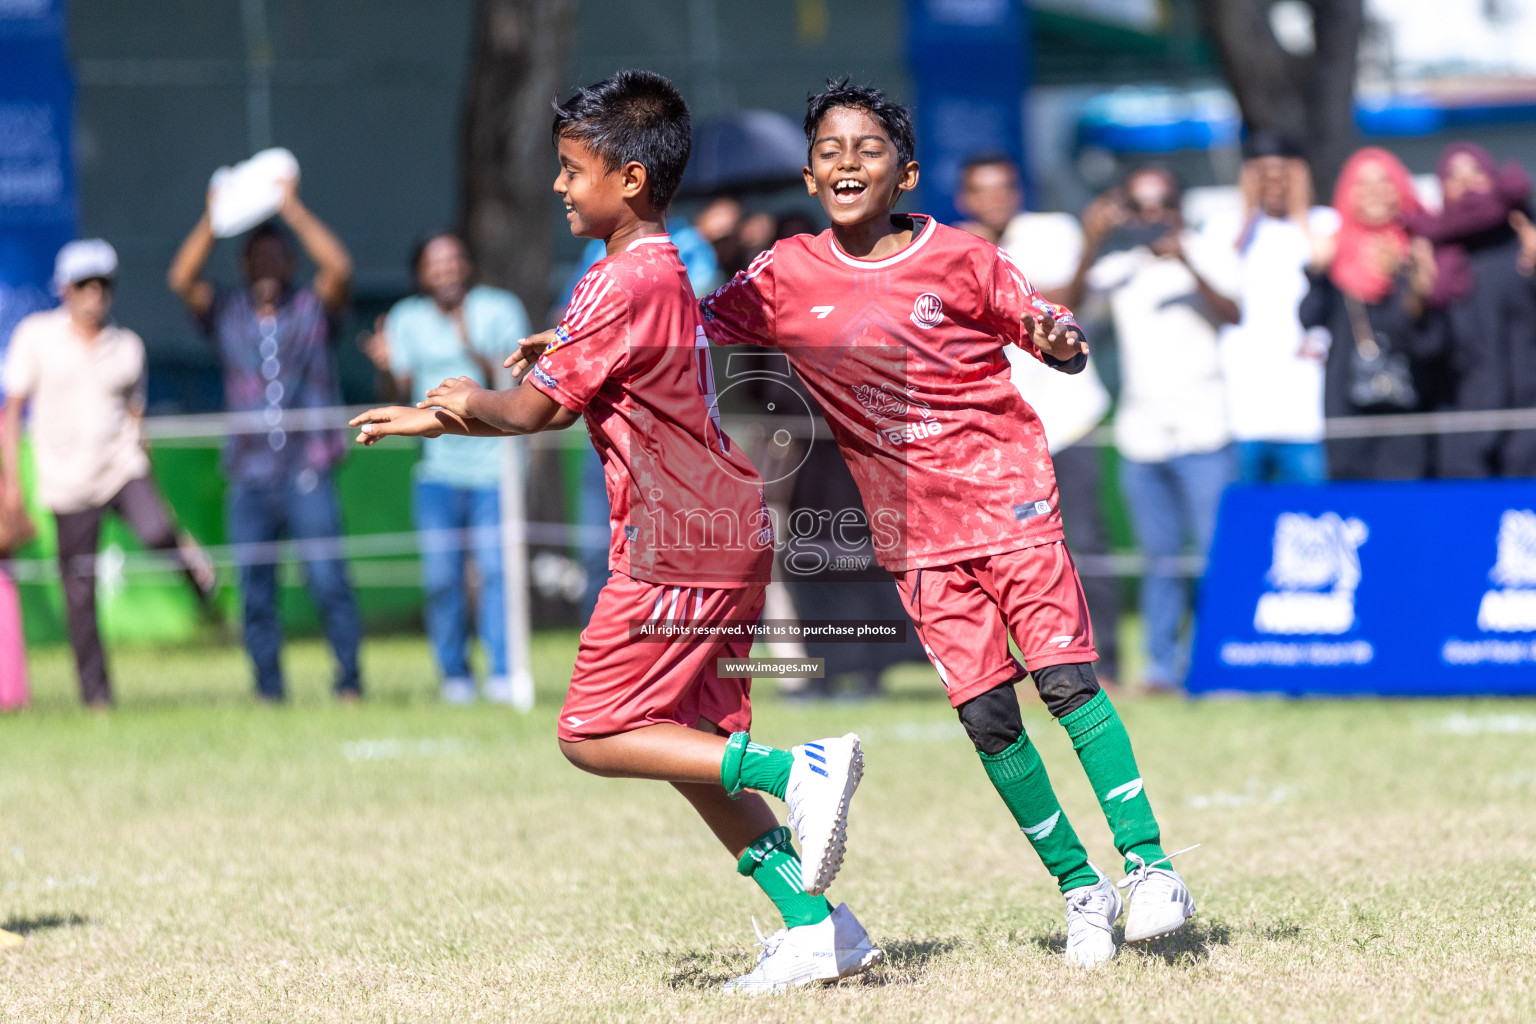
column 620, row 684
column 966, row 611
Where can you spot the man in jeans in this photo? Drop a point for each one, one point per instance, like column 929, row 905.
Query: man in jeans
column 84, row 377
column 274, row 343
column 1171, row 423
column 452, row 330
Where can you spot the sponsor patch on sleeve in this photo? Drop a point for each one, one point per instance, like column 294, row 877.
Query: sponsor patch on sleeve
column 543, row 377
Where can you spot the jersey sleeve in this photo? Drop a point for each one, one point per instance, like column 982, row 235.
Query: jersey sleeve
column 740, row 312
column 1010, row 296
column 590, row 344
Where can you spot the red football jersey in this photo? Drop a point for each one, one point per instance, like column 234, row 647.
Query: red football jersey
column 905, row 357
column 631, row 356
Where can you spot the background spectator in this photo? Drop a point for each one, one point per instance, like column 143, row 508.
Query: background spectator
column 1171, row 424
column 1489, row 304
column 274, row 344
column 1048, row 247
column 1272, row 365
column 84, row 378
column 1371, row 299
column 448, row 330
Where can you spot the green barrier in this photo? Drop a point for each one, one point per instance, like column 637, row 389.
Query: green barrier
column 159, row 607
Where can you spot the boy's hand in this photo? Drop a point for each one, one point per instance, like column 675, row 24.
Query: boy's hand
column 452, row 395
column 395, row 421
column 528, row 352
column 1059, row 341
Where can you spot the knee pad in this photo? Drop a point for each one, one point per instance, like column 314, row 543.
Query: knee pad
column 1065, row 688
column 992, row 720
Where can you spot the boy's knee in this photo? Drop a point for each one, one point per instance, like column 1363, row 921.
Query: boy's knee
column 1065, row 688
column 992, row 721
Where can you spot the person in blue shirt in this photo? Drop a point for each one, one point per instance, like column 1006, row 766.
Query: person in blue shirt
column 450, row 329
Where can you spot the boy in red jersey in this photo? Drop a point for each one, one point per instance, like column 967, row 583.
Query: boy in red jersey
column 897, row 324
column 692, row 543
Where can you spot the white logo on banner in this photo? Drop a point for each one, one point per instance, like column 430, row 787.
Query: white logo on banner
column 1315, row 573
column 1511, row 608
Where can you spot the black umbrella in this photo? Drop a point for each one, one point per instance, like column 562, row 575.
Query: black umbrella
column 743, row 151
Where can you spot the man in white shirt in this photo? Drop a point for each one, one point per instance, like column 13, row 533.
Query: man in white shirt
column 1273, row 366
column 84, row 377
column 1171, row 423
column 1047, row 247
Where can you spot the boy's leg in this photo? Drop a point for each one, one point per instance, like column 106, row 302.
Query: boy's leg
column 763, row 849
column 633, row 701
column 963, row 633
column 1039, row 592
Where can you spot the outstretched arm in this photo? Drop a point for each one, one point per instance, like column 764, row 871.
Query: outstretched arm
column 520, row 410
column 333, row 276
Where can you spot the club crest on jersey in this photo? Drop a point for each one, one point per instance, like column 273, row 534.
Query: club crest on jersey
column 928, row 310
column 898, row 418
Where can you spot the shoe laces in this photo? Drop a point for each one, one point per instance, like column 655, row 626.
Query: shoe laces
column 1144, row 869
column 1090, row 905
column 770, row 943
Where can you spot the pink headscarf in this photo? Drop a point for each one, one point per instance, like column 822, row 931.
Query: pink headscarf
column 1354, row 268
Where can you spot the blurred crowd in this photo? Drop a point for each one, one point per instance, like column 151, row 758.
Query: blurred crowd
column 1223, row 347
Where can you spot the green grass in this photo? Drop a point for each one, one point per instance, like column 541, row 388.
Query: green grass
column 190, row 857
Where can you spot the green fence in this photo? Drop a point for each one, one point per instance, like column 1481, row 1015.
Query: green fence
column 158, row 606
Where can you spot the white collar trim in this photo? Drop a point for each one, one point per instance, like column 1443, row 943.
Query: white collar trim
column 889, row 261
column 648, row 240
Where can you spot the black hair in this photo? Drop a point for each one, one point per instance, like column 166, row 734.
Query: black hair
column 267, row 229
column 419, row 247
column 1264, row 143
column 987, row 158
column 893, row 117
column 634, row 115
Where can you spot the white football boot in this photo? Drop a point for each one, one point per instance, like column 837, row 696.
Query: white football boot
column 1159, row 901
column 1092, row 911
column 811, row 954
column 821, row 783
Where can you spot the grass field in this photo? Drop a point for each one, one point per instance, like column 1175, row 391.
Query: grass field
column 193, row 858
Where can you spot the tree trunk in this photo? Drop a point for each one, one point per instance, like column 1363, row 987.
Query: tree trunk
column 1310, row 98
column 521, row 48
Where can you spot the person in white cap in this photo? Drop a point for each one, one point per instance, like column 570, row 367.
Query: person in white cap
column 84, row 378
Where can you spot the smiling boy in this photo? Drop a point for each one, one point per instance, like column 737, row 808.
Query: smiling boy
column 691, row 540
column 897, row 324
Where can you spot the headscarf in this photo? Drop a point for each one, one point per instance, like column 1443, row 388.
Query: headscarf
column 1473, row 218
column 1354, row 268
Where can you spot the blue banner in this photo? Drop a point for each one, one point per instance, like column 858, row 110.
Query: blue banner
column 1406, row 589
column 968, row 67
column 37, row 179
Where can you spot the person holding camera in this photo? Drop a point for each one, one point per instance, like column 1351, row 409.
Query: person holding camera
column 1171, row 427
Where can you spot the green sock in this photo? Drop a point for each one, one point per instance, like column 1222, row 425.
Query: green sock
column 749, row 765
column 771, row 863
column 1101, row 742
column 1019, row 777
